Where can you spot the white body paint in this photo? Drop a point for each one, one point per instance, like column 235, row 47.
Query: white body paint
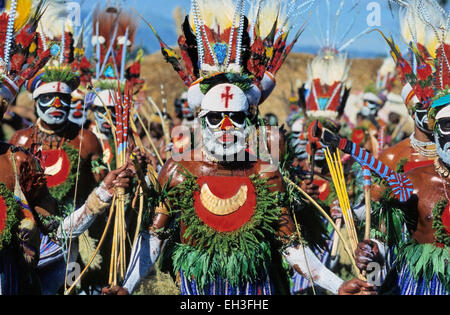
column 81, row 219
column 311, row 266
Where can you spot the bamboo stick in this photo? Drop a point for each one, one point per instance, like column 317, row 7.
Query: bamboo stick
column 335, row 247
column 330, row 220
column 100, row 243
column 149, row 138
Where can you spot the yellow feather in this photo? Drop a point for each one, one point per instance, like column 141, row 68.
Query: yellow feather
column 269, row 11
column 23, row 13
column 215, row 13
column 24, row 10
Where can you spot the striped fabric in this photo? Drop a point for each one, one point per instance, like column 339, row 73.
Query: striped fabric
column 409, row 286
column 50, row 252
column 223, row 287
column 9, row 275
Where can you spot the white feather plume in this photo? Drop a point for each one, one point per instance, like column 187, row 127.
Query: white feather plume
column 56, row 16
column 215, row 13
column 424, row 22
column 329, row 68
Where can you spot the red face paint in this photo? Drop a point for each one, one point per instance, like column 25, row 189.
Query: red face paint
column 226, row 124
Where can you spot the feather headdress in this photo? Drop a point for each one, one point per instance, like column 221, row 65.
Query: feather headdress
column 328, row 71
column 221, row 43
column 114, row 31
column 426, row 76
column 19, row 57
column 56, row 35
column 327, row 75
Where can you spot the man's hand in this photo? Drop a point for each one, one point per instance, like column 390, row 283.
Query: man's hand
column 144, row 158
column 357, row 287
column 311, row 189
column 329, row 139
column 116, row 290
column 119, row 178
column 367, row 252
column 336, row 211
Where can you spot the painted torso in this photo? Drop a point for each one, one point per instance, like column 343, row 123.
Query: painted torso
column 59, row 157
column 219, row 205
column 19, row 237
column 403, row 150
column 429, row 189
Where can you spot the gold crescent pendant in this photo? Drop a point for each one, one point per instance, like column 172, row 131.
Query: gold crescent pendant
column 222, row 207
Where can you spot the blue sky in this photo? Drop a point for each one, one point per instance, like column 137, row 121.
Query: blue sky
column 160, row 14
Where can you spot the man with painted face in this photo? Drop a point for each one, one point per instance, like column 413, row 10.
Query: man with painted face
column 78, row 110
column 23, row 192
column 69, row 157
column 421, row 258
column 103, row 109
column 417, row 150
column 421, row 264
column 224, row 187
column 182, row 134
column 58, row 140
column 226, row 201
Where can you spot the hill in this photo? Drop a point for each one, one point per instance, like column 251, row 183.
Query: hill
column 156, row 72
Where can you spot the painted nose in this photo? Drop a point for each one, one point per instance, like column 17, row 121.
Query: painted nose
column 57, row 103
column 226, row 124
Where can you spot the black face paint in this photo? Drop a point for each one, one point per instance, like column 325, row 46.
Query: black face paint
column 442, row 139
column 100, row 114
column 421, row 118
column 54, row 108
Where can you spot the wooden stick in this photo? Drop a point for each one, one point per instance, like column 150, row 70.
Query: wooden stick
column 330, row 220
column 335, row 247
column 150, row 139
column 100, row 243
column 139, row 219
column 368, row 212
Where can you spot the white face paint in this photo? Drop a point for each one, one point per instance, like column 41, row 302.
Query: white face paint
column 221, row 141
column 299, row 145
column 53, row 109
column 421, row 120
column 213, row 142
column 78, row 115
column 442, row 140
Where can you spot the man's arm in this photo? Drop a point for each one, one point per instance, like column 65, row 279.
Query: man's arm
column 96, row 154
column 305, row 262
column 148, row 246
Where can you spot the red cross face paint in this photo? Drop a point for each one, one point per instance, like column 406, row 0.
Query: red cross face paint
column 227, row 96
column 224, row 98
